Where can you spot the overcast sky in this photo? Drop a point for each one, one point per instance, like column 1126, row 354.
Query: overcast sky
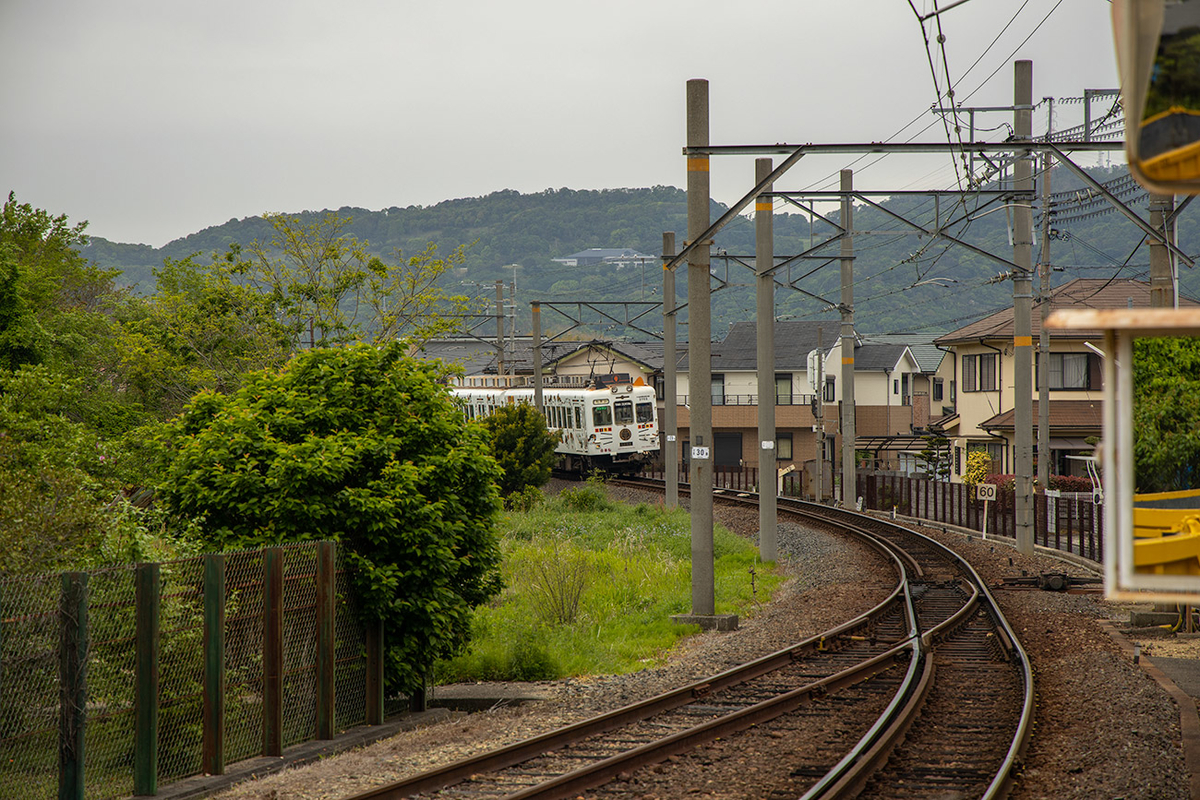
column 153, row 119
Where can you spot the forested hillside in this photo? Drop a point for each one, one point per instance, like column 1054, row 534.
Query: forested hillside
column 904, row 281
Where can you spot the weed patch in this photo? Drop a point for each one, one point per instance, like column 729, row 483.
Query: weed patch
column 590, row 588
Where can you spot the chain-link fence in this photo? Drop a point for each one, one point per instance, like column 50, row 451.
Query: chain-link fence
column 29, row 687
column 109, row 732
column 196, row 646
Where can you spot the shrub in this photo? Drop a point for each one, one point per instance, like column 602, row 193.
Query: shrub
column 361, row 445
column 588, row 497
column 522, row 446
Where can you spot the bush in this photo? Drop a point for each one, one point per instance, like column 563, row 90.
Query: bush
column 527, row 499
column 522, row 446
column 588, row 497
column 360, row 445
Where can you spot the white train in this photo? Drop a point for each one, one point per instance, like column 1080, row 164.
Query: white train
column 609, row 425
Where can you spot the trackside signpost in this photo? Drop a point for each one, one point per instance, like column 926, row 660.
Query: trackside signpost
column 987, row 493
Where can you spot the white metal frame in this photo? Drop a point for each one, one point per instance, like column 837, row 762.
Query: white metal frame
column 1120, row 328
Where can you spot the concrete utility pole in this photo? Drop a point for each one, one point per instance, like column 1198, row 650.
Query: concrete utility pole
column 1162, row 288
column 764, row 262
column 499, row 328
column 820, row 418
column 700, row 367
column 536, row 313
column 846, row 418
column 670, row 387
column 1022, row 307
column 1043, row 364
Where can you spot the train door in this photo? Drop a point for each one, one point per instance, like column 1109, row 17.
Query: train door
column 623, row 424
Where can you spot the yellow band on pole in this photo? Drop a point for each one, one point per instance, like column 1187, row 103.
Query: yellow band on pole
column 847, row 359
column 1023, row 341
column 697, row 163
column 763, row 205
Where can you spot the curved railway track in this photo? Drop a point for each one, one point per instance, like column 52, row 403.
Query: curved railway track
column 926, row 694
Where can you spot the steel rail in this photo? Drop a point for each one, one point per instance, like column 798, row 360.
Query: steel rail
column 1001, row 784
column 856, row 767
column 572, row 783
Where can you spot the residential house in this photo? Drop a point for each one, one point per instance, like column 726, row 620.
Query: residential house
column 616, row 257
column 980, row 379
column 885, row 380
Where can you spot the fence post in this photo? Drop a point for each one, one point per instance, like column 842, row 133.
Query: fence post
column 72, row 670
column 375, row 672
column 213, row 747
column 272, row 651
column 325, row 641
column 145, row 758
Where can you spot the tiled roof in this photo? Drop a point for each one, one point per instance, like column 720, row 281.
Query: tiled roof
column 1096, row 293
column 793, row 341
column 924, row 351
column 1064, row 415
column 878, row 357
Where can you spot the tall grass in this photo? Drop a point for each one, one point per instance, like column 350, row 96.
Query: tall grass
column 591, row 586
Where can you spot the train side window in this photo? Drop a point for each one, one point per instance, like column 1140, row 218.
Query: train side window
column 602, row 416
column 645, row 412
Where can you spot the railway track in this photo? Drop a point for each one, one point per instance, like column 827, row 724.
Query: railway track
column 927, row 693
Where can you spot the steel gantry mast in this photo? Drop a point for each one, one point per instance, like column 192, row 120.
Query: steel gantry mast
column 1021, row 150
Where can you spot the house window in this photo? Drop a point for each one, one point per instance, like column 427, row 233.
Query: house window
column 783, row 447
column 995, row 452
column 1069, row 371
column 830, row 390
column 937, row 389
column 660, row 387
column 783, row 388
column 718, row 389
column 979, row 373
column 895, row 386
column 905, row 389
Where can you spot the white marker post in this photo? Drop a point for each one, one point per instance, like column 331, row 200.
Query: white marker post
column 987, row 493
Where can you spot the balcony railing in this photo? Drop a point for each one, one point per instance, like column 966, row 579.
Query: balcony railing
column 752, row 400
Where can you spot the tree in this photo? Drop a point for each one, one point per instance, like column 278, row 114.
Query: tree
column 936, row 456
column 522, row 445
column 330, row 289
column 360, row 445
column 54, row 307
column 201, row 329
column 1166, row 414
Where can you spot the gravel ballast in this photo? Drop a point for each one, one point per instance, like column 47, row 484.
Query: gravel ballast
column 1103, row 728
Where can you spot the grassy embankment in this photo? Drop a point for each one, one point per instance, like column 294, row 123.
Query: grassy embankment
column 590, row 586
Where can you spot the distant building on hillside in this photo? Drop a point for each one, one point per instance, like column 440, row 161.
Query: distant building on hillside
column 617, row 257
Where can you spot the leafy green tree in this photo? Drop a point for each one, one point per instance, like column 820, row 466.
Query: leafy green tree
column 54, row 306
column 330, row 289
column 360, row 445
column 201, row 329
column 522, row 445
column 1166, row 414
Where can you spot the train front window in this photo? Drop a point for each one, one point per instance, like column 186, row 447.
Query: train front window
column 645, row 412
column 602, row 416
column 623, row 412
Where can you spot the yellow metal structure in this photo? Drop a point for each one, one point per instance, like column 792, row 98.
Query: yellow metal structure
column 1166, row 540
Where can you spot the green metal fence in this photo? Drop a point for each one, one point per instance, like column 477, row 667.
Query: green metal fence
column 116, row 681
